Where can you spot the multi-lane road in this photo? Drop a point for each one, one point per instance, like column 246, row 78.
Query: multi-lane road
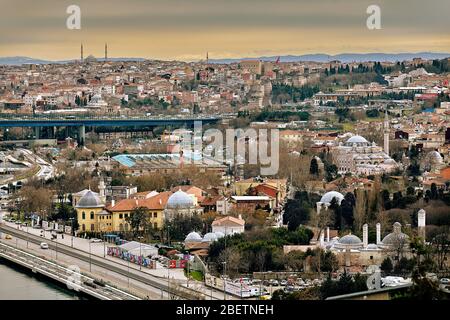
column 114, row 270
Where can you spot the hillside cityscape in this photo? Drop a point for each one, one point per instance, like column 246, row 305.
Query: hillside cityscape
column 119, row 167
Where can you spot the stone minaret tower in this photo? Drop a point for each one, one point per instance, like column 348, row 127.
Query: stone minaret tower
column 378, row 233
column 386, row 133
column 102, row 190
column 365, row 235
column 106, row 52
column 82, row 53
column 421, row 223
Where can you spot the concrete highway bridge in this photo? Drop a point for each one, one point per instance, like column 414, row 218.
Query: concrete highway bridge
column 39, row 121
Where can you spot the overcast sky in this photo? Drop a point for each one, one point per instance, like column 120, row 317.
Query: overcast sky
column 187, row 29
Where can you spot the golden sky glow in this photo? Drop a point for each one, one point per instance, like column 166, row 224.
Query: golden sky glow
column 187, row 29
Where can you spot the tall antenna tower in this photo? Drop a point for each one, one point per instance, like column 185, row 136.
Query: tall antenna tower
column 106, row 52
column 81, row 52
column 207, row 66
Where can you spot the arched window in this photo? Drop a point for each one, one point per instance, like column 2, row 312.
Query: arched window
column 83, row 227
column 92, row 227
column 83, row 215
column 92, row 215
column 121, row 227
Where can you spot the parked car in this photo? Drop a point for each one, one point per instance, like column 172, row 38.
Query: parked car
column 95, row 240
column 256, row 282
column 44, row 245
column 445, row 281
column 274, row 282
column 8, row 237
column 289, row 288
column 283, row 283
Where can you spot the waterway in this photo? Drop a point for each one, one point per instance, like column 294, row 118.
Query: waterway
column 19, row 284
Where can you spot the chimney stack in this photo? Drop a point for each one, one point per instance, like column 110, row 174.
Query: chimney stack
column 113, row 203
column 365, row 235
column 378, row 233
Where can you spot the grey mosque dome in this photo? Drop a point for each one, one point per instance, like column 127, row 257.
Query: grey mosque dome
column 435, row 157
column 349, row 241
column 209, row 237
column 328, row 197
column 90, row 200
column 180, row 200
column 396, row 237
column 193, row 237
column 372, row 246
column 357, row 140
column 219, row 234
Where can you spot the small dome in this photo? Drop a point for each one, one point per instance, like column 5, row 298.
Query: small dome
column 328, row 197
column 396, row 237
column 357, row 140
column 219, row 234
column 435, row 157
column 372, row 246
column 209, row 237
column 90, row 200
column 349, row 241
column 180, row 200
column 390, row 161
column 193, row 237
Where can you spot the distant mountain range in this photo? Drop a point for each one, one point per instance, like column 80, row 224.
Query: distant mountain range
column 345, row 57
column 319, row 57
column 27, row 60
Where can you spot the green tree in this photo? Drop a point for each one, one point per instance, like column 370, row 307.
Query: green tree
column 314, row 167
column 386, row 265
column 139, row 220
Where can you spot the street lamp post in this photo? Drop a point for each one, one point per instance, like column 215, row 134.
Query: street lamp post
column 188, row 270
column 168, row 235
column 90, row 258
column 140, row 251
column 56, row 246
column 71, row 231
column 224, row 280
column 128, row 272
column 26, row 224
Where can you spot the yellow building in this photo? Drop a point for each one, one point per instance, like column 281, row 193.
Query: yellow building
column 155, row 205
column 95, row 216
column 91, row 214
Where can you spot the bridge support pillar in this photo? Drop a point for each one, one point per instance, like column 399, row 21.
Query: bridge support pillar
column 37, row 132
column 81, row 135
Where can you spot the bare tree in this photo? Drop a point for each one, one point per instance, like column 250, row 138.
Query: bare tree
column 232, row 258
column 441, row 246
